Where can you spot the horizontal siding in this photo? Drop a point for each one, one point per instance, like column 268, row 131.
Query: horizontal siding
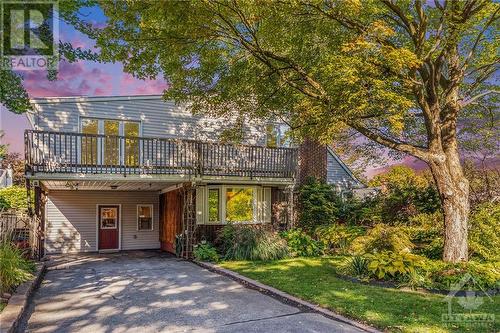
column 71, row 223
column 159, row 118
column 336, row 174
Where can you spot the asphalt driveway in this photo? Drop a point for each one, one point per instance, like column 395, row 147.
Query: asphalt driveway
column 151, row 292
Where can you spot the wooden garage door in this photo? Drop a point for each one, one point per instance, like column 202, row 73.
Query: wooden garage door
column 170, row 219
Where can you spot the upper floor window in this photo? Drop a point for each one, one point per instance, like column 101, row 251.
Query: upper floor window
column 110, row 150
column 276, row 136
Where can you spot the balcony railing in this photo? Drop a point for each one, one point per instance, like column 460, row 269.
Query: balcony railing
column 56, row 152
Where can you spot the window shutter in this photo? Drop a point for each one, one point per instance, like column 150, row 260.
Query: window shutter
column 266, row 205
column 200, row 204
column 263, row 205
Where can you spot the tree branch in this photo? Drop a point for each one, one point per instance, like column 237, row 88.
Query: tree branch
column 478, row 96
column 417, row 151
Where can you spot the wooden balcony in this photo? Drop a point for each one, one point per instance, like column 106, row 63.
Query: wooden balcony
column 78, row 153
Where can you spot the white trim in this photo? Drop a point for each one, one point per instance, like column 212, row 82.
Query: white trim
column 72, row 99
column 119, row 227
column 137, row 217
column 222, row 203
column 207, row 208
column 163, row 178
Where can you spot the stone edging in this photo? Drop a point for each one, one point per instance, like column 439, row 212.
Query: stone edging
column 18, row 302
column 286, row 298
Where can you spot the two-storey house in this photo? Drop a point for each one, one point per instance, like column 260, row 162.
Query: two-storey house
column 136, row 172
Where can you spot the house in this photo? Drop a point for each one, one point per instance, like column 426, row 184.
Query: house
column 137, row 172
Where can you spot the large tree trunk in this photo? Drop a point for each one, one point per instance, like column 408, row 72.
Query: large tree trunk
column 453, row 189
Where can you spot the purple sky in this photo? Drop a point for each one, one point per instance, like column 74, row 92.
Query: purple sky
column 76, row 79
column 89, row 79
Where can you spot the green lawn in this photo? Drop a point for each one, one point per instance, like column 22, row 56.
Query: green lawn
column 313, row 279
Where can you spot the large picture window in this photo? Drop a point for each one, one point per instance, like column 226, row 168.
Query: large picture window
column 222, row 204
column 240, row 203
column 144, row 217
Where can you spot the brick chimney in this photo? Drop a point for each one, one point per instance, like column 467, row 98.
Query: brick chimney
column 312, row 161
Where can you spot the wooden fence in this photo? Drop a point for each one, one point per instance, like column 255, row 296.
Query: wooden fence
column 23, row 231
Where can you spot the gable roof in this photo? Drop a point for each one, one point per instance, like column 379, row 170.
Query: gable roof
column 358, row 184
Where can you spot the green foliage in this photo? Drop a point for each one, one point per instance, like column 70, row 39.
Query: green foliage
column 317, row 201
column 206, row 252
column 338, row 238
column 301, row 244
column 391, row 264
column 14, row 197
column 484, row 237
column 471, row 275
column 247, row 242
column 382, row 238
column 14, row 267
column 355, row 266
column 354, row 211
column 426, row 233
column 405, row 194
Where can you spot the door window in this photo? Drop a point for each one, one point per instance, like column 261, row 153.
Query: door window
column 109, row 218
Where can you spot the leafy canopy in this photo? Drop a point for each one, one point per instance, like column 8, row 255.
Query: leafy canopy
column 397, row 72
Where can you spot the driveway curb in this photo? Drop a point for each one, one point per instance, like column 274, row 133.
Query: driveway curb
column 18, row 303
column 286, row 298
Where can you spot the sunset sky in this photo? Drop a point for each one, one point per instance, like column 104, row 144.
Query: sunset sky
column 89, row 79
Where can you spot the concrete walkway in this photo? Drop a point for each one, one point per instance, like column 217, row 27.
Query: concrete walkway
column 153, row 292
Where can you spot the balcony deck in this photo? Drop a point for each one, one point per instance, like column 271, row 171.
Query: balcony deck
column 93, row 154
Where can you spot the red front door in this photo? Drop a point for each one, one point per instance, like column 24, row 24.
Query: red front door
column 109, row 227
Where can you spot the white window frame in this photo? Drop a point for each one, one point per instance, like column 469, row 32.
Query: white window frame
column 100, row 131
column 221, row 195
column 222, row 204
column 281, row 129
column 116, row 219
column 151, row 206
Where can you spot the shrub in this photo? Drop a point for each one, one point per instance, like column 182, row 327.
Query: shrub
column 14, row 267
column 206, row 252
column 382, row 238
column 426, row 233
column 244, row 242
column 14, row 197
column 405, row 194
column 317, row 201
column 301, row 244
column 354, row 211
column 355, row 266
column 447, row 276
column 391, row 264
column 336, row 237
column 484, row 239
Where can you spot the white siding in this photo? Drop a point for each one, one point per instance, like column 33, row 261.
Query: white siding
column 159, row 118
column 71, row 223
